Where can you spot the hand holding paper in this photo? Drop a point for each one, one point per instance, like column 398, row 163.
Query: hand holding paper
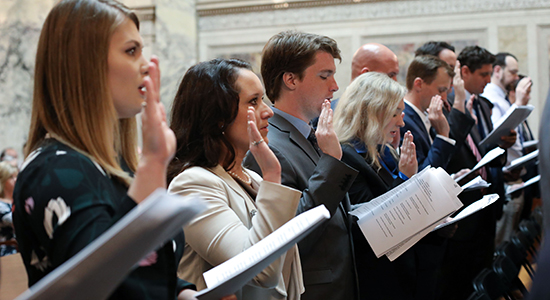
column 514, row 116
column 496, row 152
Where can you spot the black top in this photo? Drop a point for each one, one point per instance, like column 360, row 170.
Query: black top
column 63, row 201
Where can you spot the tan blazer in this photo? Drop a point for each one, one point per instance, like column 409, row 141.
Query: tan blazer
column 232, row 223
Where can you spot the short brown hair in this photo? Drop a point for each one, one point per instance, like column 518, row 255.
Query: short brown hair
column 425, row 67
column 292, row 51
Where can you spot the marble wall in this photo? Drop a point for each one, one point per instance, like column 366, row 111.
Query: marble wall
column 20, row 23
column 169, row 31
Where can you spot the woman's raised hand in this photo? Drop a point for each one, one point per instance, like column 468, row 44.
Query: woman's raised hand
column 267, row 161
column 159, row 141
column 408, row 164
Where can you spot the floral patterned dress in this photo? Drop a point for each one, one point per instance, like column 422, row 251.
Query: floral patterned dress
column 6, row 230
column 63, row 201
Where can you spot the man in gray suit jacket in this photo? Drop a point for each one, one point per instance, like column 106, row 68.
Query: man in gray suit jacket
column 298, row 72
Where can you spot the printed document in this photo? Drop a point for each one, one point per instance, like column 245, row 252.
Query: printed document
column 232, row 275
column 402, row 216
column 513, row 117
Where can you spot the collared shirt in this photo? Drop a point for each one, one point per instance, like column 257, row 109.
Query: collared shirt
column 497, row 96
column 302, row 127
column 424, row 117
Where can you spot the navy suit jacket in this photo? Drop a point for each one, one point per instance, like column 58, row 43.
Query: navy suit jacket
column 437, row 154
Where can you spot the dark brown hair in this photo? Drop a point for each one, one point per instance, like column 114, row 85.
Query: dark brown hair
column 207, row 101
column 294, row 52
column 475, row 58
column 425, row 67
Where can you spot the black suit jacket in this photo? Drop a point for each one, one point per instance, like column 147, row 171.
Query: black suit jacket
column 437, row 154
column 378, row 277
column 485, row 220
column 326, row 253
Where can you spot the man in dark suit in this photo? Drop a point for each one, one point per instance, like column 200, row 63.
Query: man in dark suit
column 471, row 248
column 460, row 122
column 428, row 80
column 298, row 72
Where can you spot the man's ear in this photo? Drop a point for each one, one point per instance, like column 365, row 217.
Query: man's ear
column 290, row 79
column 364, row 70
column 465, row 72
column 417, row 84
column 497, row 70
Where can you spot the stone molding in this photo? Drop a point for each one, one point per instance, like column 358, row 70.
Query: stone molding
column 232, row 7
column 237, row 18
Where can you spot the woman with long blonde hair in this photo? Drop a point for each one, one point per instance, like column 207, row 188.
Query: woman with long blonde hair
column 367, row 118
column 82, row 172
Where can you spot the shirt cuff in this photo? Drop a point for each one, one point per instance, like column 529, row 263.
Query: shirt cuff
column 446, row 139
column 403, row 176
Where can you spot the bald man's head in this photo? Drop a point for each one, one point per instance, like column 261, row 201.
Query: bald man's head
column 374, row 57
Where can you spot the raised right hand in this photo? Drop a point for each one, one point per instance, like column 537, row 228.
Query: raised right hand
column 458, row 84
column 470, row 107
column 437, row 118
column 523, row 91
column 266, row 159
column 408, row 164
column 326, row 137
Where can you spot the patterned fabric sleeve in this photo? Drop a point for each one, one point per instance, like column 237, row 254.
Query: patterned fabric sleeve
column 63, row 202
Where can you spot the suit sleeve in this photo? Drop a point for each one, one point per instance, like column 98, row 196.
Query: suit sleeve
column 460, row 125
column 218, row 234
column 437, row 155
column 328, row 185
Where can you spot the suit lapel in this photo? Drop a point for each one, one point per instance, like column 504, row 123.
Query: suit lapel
column 411, row 115
column 486, row 107
column 295, row 136
column 386, row 176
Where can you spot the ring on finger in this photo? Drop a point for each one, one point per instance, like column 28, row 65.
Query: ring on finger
column 256, row 143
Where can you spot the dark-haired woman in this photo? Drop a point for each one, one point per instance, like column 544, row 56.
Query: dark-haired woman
column 218, row 115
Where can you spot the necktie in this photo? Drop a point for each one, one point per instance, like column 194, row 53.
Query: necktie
column 479, row 118
column 482, row 171
column 313, row 140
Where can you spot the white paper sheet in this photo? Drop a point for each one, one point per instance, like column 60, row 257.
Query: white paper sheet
column 472, row 208
column 522, row 161
column 390, row 220
column 490, row 156
column 475, row 184
column 529, row 144
column 513, row 117
column 517, row 187
column 232, row 275
column 95, row 271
